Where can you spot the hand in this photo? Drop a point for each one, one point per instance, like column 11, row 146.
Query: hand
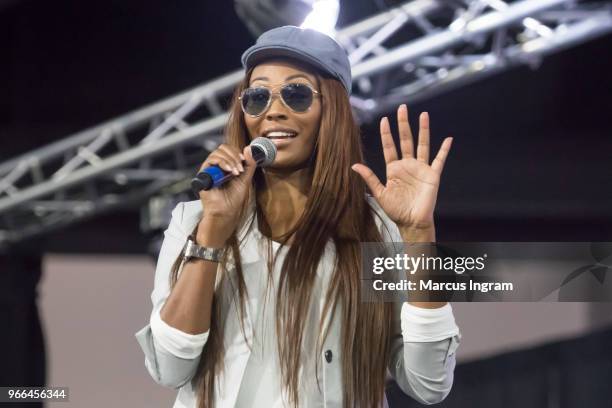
column 222, row 205
column 409, row 198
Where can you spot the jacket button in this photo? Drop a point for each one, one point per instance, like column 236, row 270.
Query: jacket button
column 328, row 356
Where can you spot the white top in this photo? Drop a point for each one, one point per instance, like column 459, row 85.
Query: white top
column 261, row 382
column 430, row 336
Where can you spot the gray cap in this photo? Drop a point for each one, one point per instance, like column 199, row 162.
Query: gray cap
column 304, row 44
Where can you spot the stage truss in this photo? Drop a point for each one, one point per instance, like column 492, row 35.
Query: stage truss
column 414, row 51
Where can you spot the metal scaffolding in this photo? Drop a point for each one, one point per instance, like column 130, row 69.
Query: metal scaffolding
column 442, row 45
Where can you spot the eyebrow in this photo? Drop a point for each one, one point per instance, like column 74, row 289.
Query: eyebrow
column 286, row 79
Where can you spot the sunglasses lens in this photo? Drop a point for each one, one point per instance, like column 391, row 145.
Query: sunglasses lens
column 297, row 96
column 255, row 100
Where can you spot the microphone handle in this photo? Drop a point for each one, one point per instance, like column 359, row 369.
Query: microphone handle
column 214, row 176
column 210, row 177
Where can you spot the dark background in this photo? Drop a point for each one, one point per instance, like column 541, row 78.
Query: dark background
column 531, row 160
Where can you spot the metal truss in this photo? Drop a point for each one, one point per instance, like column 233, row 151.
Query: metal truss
column 477, row 39
column 414, row 51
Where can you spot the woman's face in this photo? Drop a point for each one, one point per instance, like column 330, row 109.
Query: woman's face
column 293, row 133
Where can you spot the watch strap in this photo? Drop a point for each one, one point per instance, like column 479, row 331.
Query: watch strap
column 193, row 250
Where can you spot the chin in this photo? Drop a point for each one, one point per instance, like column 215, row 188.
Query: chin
column 288, row 163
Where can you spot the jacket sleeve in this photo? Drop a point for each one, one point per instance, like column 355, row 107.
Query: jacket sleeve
column 171, row 356
column 423, row 342
column 423, row 355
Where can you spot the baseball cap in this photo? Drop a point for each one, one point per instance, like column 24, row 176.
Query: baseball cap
column 303, row 44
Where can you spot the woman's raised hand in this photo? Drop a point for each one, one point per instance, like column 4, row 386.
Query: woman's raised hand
column 222, row 205
column 409, row 197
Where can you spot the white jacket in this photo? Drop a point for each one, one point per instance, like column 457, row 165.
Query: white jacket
column 423, row 342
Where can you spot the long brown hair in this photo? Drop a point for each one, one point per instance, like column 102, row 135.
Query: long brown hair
column 336, row 210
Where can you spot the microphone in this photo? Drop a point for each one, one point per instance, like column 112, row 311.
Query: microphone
column 263, row 152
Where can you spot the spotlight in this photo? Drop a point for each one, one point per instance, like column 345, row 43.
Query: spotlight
column 263, row 15
column 323, row 16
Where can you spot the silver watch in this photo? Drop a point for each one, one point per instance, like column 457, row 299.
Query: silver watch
column 193, row 250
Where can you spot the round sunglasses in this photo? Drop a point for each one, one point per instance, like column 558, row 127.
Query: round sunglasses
column 296, row 96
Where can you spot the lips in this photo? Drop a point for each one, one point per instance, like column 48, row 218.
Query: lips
column 283, row 134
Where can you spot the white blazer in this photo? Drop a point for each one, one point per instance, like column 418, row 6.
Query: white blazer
column 422, row 358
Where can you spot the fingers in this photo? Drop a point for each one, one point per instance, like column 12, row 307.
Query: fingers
column 386, row 139
column 405, row 133
column 370, row 179
column 229, row 158
column 233, row 155
column 222, row 161
column 250, row 164
column 406, row 139
column 438, row 163
column 248, row 156
column 423, row 146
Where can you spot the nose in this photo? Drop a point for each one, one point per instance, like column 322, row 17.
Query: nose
column 277, row 109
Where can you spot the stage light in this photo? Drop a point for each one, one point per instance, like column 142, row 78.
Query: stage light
column 263, row 15
column 323, row 16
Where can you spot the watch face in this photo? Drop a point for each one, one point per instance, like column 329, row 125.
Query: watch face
column 189, row 251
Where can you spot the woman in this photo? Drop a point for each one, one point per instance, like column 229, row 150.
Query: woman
column 272, row 315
